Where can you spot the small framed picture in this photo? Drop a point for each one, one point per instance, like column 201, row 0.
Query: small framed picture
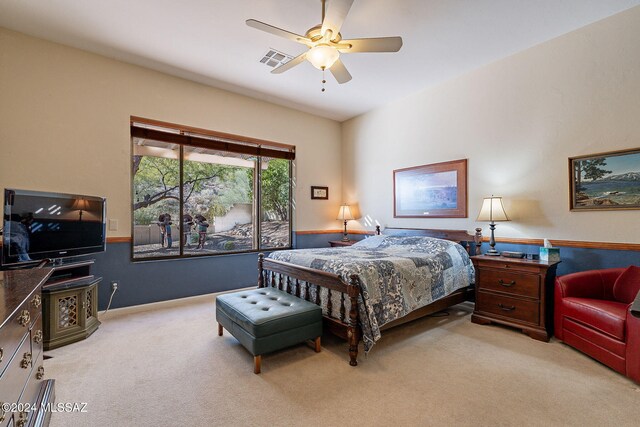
column 319, row 193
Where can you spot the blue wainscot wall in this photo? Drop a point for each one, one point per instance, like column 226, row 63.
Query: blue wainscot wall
column 152, row 281
column 579, row 259
column 143, row 282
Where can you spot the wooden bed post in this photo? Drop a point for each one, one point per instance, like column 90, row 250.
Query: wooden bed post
column 260, row 270
column 478, row 241
column 353, row 334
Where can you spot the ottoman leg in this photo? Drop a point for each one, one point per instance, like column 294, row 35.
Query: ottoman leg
column 257, row 362
column 317, row 345
column 219, row 330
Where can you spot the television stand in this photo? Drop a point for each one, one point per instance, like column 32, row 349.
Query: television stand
column 70, row 303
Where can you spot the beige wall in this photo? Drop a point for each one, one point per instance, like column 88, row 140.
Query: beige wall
column 64, row 117
column 517, row 121
column 64, row 126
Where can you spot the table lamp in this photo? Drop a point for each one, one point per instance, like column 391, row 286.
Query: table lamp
column 81, row 205
column 344, row 214
column 492, row 210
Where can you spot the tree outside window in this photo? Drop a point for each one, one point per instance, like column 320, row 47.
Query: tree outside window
column 190, row 201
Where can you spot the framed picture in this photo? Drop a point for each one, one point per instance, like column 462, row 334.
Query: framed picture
column 605, row 181
column 431, row 191
column 320, row 193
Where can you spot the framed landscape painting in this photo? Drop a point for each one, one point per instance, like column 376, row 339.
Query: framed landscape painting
column 605, row 181
column 438, row 190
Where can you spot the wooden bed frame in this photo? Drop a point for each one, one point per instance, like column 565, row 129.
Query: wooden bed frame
column 307, row 283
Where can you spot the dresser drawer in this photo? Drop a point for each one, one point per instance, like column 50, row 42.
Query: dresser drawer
column 15, row 376
column 513, row 308
column 33, row 386
column 527, row 285
column 17, row 326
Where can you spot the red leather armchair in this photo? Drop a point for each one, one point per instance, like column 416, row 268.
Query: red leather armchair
column 593, row 314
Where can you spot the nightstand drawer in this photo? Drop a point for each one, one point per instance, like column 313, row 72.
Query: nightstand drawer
column 527, row 285
column 514, row 308
column 513, row 264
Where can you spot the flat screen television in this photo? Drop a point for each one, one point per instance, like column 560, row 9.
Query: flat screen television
column 39, row 225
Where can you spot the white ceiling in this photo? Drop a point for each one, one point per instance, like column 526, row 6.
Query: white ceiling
column 207, row 40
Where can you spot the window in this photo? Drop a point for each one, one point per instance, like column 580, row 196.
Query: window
column 276, row 203
column 199, row 192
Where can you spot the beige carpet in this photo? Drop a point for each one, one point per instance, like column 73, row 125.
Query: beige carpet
column 164, row 365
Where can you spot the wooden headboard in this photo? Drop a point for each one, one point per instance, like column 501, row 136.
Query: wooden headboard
column 460, row 236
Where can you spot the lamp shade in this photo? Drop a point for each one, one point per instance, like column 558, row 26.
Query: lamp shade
column 492, row 210
column 322, row 56
column 344, row 214
column 80, row 204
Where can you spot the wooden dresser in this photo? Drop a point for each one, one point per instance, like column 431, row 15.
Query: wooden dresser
column 515, row 292
column 23, row 390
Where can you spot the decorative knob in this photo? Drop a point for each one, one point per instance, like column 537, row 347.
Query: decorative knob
column 40, row 373
column 36, row 301
column 37, row 337
column 477, row 238
column 24, row 318
column 26, row 360
column 22, row 420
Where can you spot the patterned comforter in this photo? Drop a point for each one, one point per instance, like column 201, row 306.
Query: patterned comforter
column 398, row 274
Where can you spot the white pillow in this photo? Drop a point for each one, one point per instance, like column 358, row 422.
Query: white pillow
column 370, row 242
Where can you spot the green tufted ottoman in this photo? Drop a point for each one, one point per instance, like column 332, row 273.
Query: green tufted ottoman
column 267, row 319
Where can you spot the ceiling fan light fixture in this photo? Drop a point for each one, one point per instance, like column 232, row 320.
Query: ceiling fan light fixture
column 322, row 56
column 325, row 42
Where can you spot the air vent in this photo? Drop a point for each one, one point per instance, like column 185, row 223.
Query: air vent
column 274, row 58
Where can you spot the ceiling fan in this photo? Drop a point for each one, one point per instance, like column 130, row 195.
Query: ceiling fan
column 325, row 42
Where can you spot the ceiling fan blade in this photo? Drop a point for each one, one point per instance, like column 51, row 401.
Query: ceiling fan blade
column 295, row 61
column 340, row 72
column 377, row 44
column 337, row 11
column 277, row 31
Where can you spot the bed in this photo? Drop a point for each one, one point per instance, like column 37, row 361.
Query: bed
column 380, row 282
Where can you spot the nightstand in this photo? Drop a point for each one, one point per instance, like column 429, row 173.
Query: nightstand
column 515, row 292
column 338, row 243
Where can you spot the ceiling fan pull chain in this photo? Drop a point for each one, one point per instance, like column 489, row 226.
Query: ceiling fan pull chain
column 323, row 79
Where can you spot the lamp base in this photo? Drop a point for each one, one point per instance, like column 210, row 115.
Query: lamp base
column 492, row 241
column 345, row 236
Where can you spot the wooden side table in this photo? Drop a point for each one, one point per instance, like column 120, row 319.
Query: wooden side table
column 515, row 292
column 70, row 312
column 69, row 304
column 338, row 243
